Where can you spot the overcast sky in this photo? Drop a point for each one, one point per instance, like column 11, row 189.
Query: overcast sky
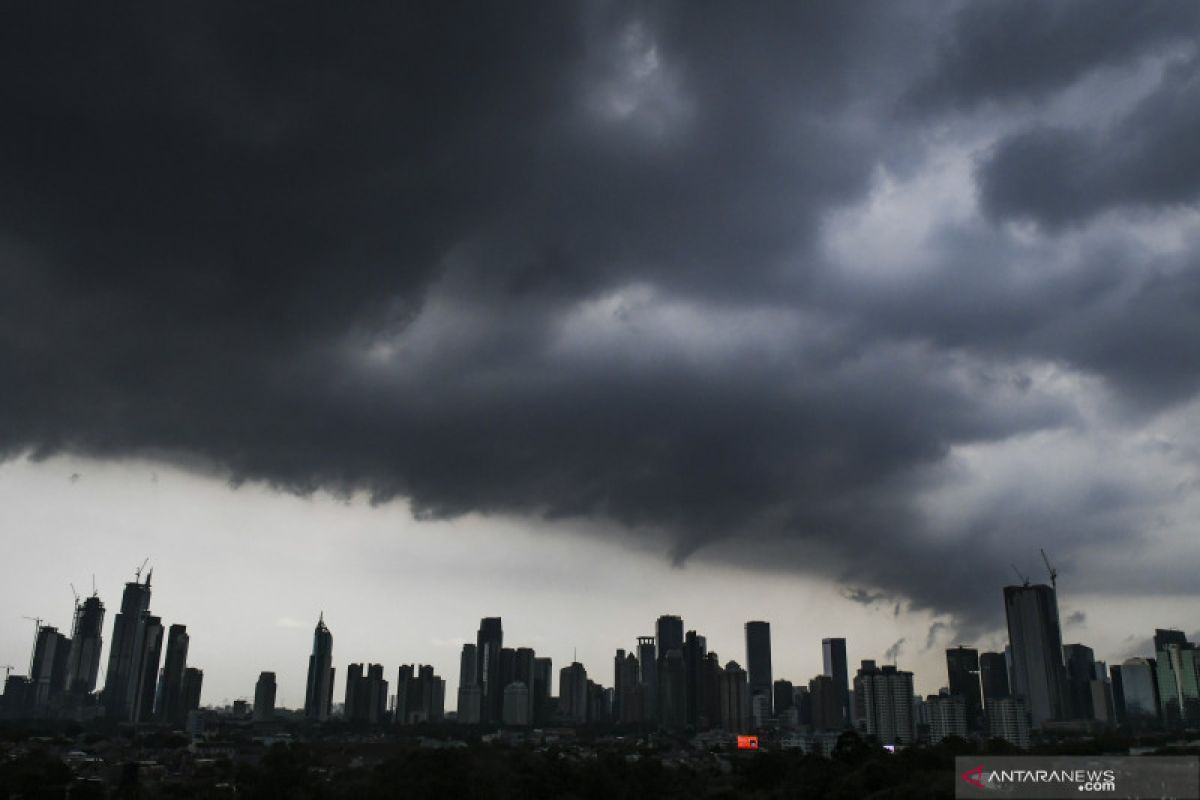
column 583, row 313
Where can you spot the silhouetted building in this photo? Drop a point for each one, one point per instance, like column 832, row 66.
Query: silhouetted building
column 758, row 662
column 672, row 690
column 1166, row 636
column 489, row 642
column 669, row 633
column 833, row 652
column 1008, row 720
column 1080, row 664
column 1139, row 693
column 710, row 691
column 883, row 701
column 573, row 694
column 695, row 648
column 543, row 676
column 17, row 697
column 524, row 668
column 627, row 695
column 962, row 670
column 366, row 694
column 516, row 704
column 144, row 682
column 826, row 700
column 122, row 657
column 993, row 676
column 784, row 696
column 947, row 717
column 264, row 697
column 1039, row 677
column 469, row 691
column 48, row 673
column 420, row 696
column 648, row 661
column 735, row 698
column 1178, row 673
column 193, row 682
column 170, row 707
column 83, row 659
column 318, row 693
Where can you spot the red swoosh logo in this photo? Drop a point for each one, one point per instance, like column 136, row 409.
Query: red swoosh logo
column 971, row 777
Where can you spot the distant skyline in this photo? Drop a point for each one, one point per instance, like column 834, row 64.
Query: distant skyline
column 823, row 314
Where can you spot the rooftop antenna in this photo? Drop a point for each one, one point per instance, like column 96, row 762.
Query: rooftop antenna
column 137, row 573
column 1053, row 572
column 94, row 592
column 37, row 627
column 1024, row 580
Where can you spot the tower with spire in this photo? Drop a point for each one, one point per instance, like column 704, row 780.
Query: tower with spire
column 318, row 695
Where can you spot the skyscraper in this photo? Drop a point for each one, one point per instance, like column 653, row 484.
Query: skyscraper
column 735, row 698
column 264, row 697
column 1178, row 673
column 1079, row 662
column 366, row 694
column 573, row 693
column 833, row 652
column 135, row 602
column 648, row 661
column 489, row 642
column 524, row 667
column 993, row 676
column 469, row 693
column 174, row 667
column 758, row 662
column 543, row 675
column 143, row 681
column 669, row 632
column 1139, row 693
column 1166, row 636
column 193, row 682
column 962, row 670
column 83, row 660
column 1038, row 675
column 318, row 693
column 672, row 690
column 695, row 647
column 420, row 695
column 883, row 701
column 48, row 672
column 825, row 704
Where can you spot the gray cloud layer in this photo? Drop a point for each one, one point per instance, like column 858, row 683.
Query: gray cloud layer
column 575, row 263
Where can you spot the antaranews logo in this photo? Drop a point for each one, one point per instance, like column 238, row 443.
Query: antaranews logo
column 1077, row 776
column 1084, row 780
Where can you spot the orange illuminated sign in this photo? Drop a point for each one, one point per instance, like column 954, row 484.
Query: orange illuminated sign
column 747, row 743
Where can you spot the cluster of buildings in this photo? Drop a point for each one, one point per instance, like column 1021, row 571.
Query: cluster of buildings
column 140, row 685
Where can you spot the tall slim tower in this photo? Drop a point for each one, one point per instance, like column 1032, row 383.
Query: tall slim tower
column 1039, row 677
column 669, row 631
column 83, row 661
column 264, row 697
column 962, row 671
column 489, row 642
column 143, row 681
column 135, row 603
column 758, row 662
column 171, row 709
column 833, row 652
column 318, row 694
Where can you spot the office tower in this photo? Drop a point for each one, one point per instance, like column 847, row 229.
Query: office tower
column 627, row 697
column 489, row 642
column 947, row 717
column 318, row 692
column 264, row 697
column 1080, row 664
column 193, row 681
column 135, row 603
column 354, row 684
column 758, row 661
column 543, row 676
column 1166, row 636
column 572, row 694
column 1008, row 720
column 420, row 695
column 1139, row 693
column 648, row 659
column 993, row 676
column 144, row 680
column 524, row 667
column 669, row 633
column 883, row 703
column 1038, row 675
column 598, row 710
column 469, row 693
column 833, row 652
column 83, row 659
column 1118, row 693
column 516, row 704
column 1103, row 703
column 784, row 697
column 962, row 670
column 48, row 672
column 735, row 698
column 366, row 694
column 1178, row 672
column 170, row 709
column 826, row 699
column 802, row 700
column 17, row 697
column 695, row 647
column 672, row 691
column 508, row 669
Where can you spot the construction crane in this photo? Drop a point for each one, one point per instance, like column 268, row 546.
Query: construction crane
column 37, row 628
column 1053, row 572
column 137, row 573
column 1024, row 580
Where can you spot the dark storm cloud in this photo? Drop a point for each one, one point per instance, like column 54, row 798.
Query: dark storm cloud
column 565, row 264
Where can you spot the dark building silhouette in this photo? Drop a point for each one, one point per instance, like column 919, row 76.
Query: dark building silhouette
column 962, row 671
column 648, row 660
column 366, row 694
column 420, row 695
column 627, row 693
column 83, row 659
column 1166, row 636
column 710, row 691
column 17, row 697
column 318, row 693
column 171, row 692
column 48, row 671
column 833, row 652
column 573, row 694
column 993, row 676
column 468, row 685
column 489, row 644
column 543, row 676
column 193, row 682
column 783, row 697
column 695, row 647
column 669, row 633
column 735, row 698
column 144, row 681
column 1079, row 661
column 672, row 692
column 264, row 697
column 825, row 698
column 1038, row 675
column 758, row 665
column 122, row 658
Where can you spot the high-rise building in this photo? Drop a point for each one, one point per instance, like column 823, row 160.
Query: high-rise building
column 122, row 661
column 783, row 696
column 672, row 690
column 516, row 704
column 143, row 683
column 710, row 692
column 366, row 694
column 543, row 676
column 524, row 668
column 573, row 694
column 962, row 670
column 833, row 652
column 695, row 647
column 883, row 701
column 48, row 672
column 170, row 709
column 669, row 633
column 993, row 676
column 825, row 699
column 1139, row 693
column 420, row 695
column 489, row 642
column 1178, row 673
column 1039, row 677
column 758, row 662
column 627, row 699
column 1103, row 702
column 735, row 698
column 469, row 692
column 648, row 660
column 1008, row 720
column 193, row 682
column 1079, row 662
column 83, row 659
column 264, row 697
column 947, row 717
column 1166, row 636
column 318, row 693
